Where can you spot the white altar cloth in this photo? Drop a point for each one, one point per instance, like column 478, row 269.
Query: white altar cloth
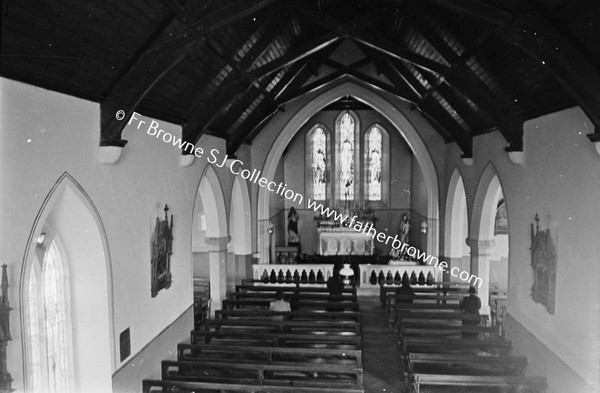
column 345, row 243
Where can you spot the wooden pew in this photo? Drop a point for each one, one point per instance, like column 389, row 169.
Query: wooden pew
column 251, row 338
column 537, row 384
column 155, row 386
column 311, row 315
column 427, row 298
column 436, row 288
column 441, row 330
column 268, row 355
column 311, row 305
column 452, row 345
column 301, row 374
column 445, row 316
column 516, row 365
column 280, row 326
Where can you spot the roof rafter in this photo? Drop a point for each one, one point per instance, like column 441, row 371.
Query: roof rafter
column 205, row 109
column 163, row 56
column 398, row 74
column 524, row 26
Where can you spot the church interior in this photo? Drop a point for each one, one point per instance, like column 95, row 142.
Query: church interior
column 169, row 168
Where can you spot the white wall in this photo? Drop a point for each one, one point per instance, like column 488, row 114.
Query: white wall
column 44, row 134
column 561, row 176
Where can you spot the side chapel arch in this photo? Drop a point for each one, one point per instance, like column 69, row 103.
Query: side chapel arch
column 481, row 231
column 209, row 200
column 456, row 223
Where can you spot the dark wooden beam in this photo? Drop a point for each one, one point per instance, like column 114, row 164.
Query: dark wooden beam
column 173, row 5
column 293, row 55
column 309, row 88
column 378, row 84
column 522, row 25
column 477, row 9
column 496, row 103
column 342, row 28
column 159, row 59
column 552, row 50
column 398, row 52
column 445, row 124
column 224, row 16
column 205, row 109
column 265, row 110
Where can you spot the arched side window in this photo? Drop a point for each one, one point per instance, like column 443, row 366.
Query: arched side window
column 48, row 325
column 317, row 159
column 346, row 130
column 376, row 164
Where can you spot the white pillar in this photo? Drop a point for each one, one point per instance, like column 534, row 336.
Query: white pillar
column 217, row 257
column 480, row 267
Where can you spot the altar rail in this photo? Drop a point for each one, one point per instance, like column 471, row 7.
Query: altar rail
column 374, row 275
column 279, row 273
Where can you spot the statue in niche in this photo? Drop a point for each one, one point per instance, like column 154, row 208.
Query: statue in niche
column 293, row 234
column 543, row 262
column 162, row 248
column 404, row 228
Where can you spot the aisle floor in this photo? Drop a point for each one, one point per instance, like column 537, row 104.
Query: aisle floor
column 382, row 363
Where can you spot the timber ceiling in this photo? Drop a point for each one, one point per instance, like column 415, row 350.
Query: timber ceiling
column 224, row 67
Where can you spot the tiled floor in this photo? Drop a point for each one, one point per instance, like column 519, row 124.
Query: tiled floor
column 382, row 363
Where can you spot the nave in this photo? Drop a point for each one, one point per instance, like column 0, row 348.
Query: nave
column 344, row 343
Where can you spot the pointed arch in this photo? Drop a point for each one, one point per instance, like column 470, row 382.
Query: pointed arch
column 364, row 94
column 240, row 218
column 76, row 220
column 456, row 223
column 213, row 203
column 481, row 233
column 483, row 213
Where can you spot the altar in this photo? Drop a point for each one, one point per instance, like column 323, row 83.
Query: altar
column 345, row 241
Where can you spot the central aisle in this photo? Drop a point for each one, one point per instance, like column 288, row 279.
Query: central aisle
column 382, row 364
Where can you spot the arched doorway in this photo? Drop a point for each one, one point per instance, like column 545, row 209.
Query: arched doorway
column 489, row 239
column 456, row 226
column 352, row 88
column 66, row 293
column 240, row 227
column 210, row 237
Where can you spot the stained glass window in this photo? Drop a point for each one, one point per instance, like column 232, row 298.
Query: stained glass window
column 49, row 361
column 319, row 163
column 34, row 344
column 374, row 159
column 55, row 320
column 346, row 160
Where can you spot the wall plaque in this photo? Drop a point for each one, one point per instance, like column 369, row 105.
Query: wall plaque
column 162, row 248
column 543, row 262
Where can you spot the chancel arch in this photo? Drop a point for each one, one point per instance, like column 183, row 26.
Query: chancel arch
column 387, row 110
column 66, row 293
column 456, row 225
column 489, row 248
column 210, row 235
